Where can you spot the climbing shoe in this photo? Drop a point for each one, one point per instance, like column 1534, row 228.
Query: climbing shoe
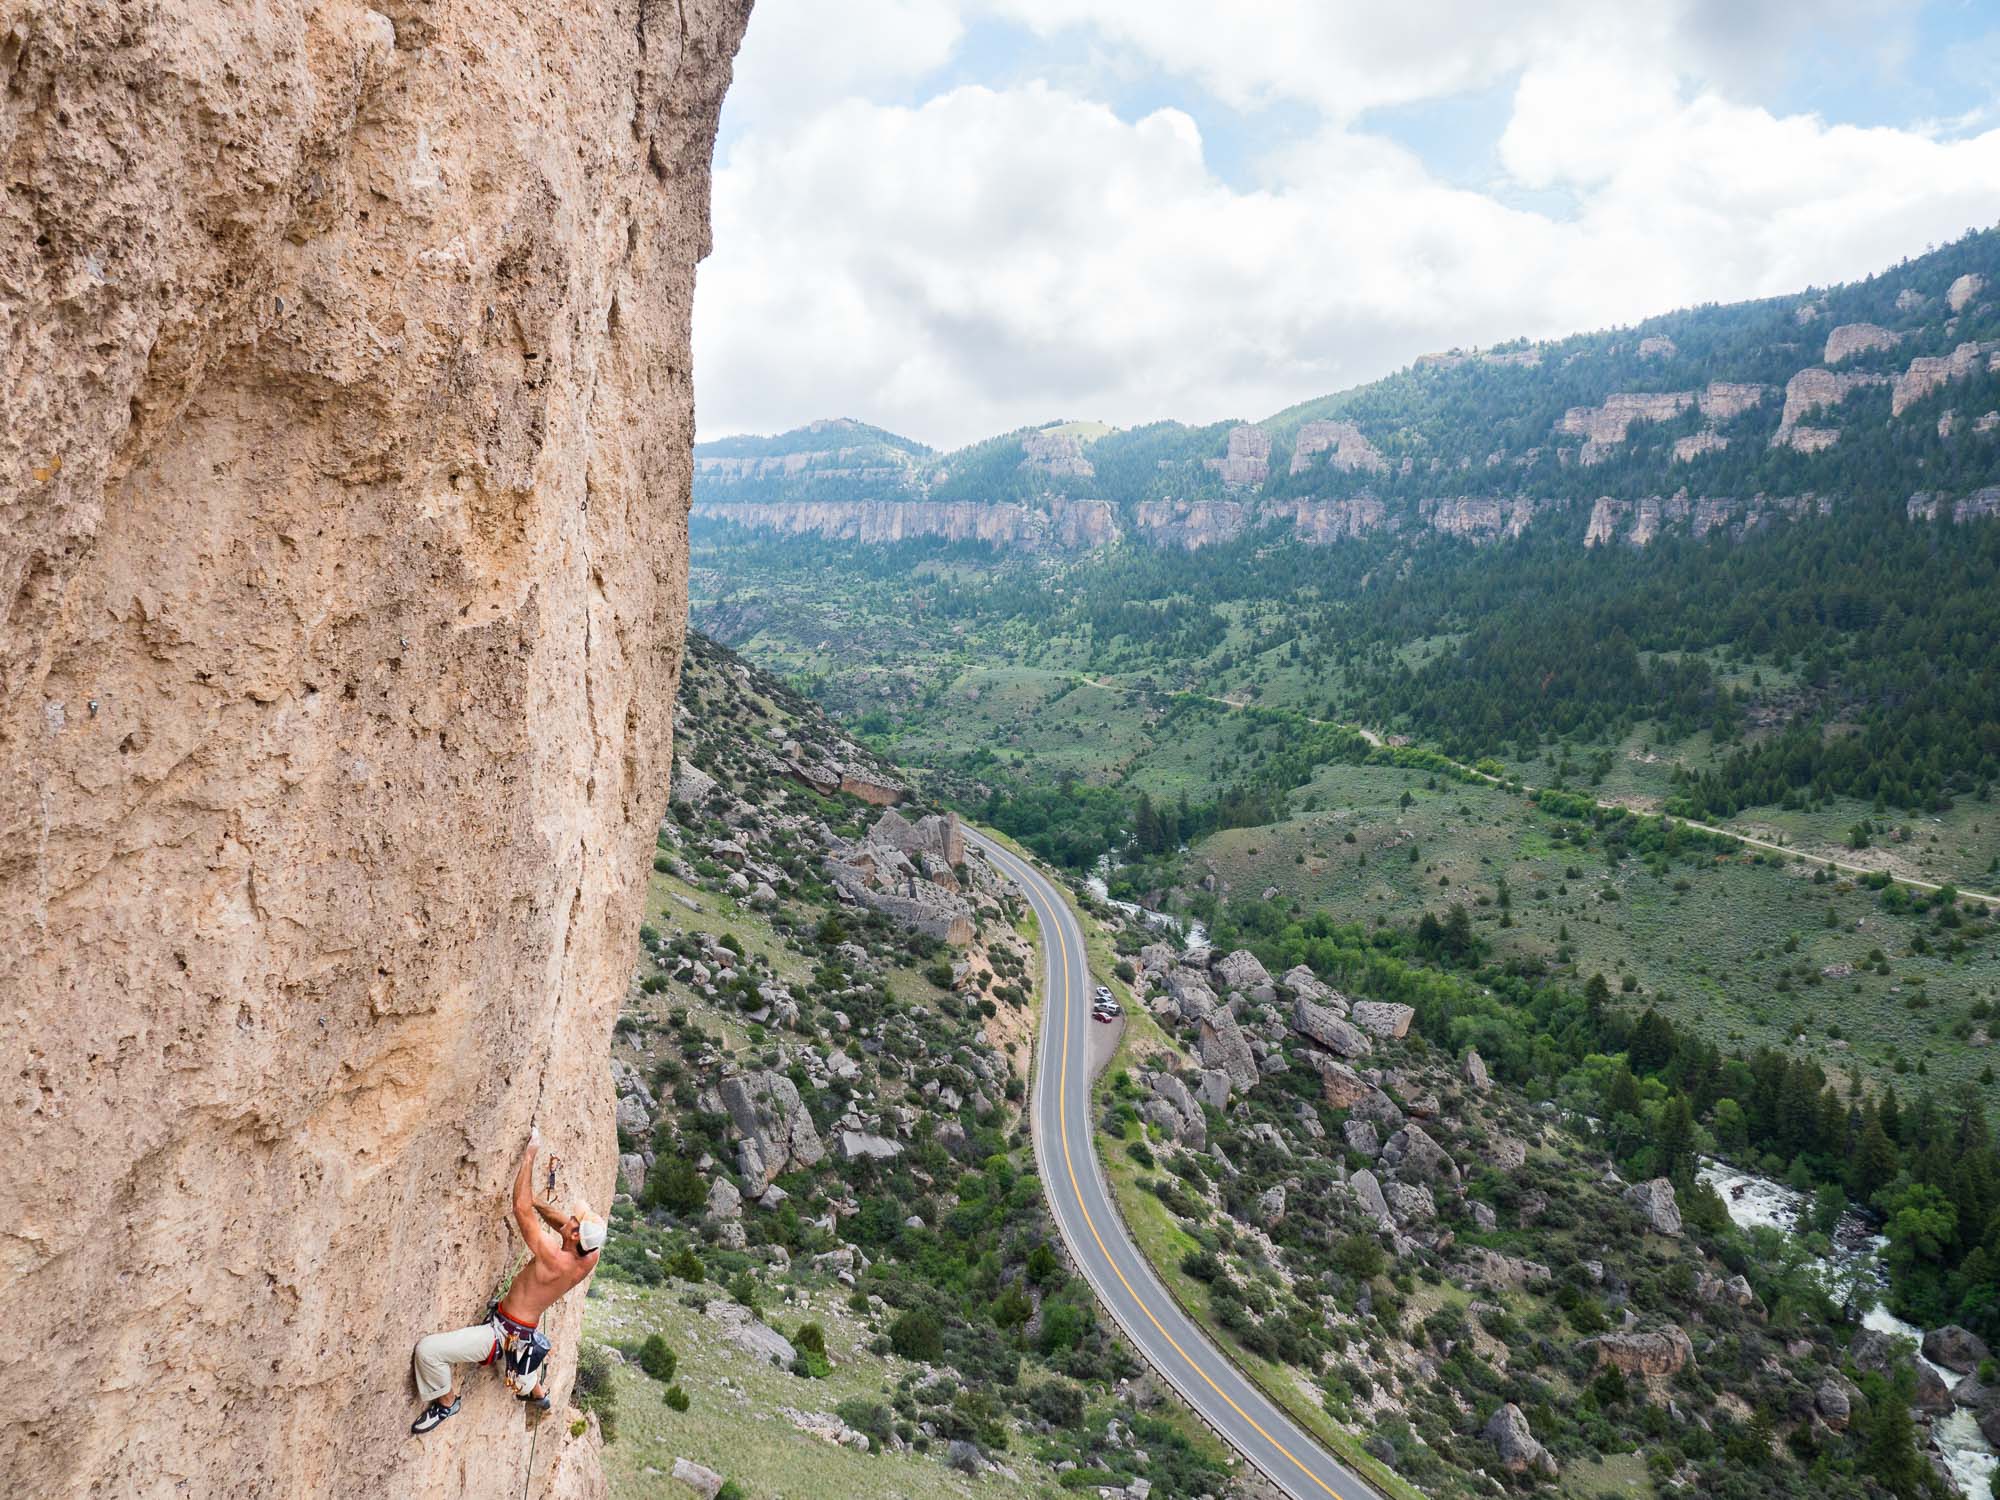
column 536, row 1403
column 433, row 1414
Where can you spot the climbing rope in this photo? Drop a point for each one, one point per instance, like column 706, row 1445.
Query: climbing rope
column 534, row 1437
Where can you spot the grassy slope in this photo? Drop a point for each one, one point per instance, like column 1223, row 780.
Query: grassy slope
column 733, row 1425
column 1716, row 948
column 778, row 1459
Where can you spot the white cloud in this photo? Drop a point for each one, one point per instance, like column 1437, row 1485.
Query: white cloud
column 997, row 256
column 1344, row 58
column 801, row 55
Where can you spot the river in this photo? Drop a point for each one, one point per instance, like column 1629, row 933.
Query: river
column 1758, row 1202
column 1191, row 933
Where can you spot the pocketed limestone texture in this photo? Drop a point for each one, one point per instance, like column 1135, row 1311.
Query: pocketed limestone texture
column 343, row 490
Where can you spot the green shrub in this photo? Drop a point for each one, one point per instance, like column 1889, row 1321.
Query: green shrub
column 674, row 1185
column 811, row 1337
column 1057, row 1402
column 871, row 1417
column 1359, row 1256
column 686, row 1265
column 1201, row 1265
column 657, row 1360
column 676, row 1398
column 596, row 1389
column 918, row 1335
column 730, row 1490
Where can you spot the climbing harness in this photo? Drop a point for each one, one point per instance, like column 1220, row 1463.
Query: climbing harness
column 521, row 1351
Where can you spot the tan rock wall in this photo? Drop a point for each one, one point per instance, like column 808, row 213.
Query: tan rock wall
column 342, row 584
column 1063, row 523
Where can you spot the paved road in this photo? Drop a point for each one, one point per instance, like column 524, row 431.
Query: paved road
column 1066, row 1156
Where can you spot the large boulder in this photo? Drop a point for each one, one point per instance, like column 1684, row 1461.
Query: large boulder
column 1736, row 1290
column 885, row 880
column 1214, row 1088
column 635, row 1122
column 1271, row 1206
column 692, row 786
column 757, row 1339
column 938, row 835
column 1490, row 1268
column 1876, row 1352
column 862, row 1145
column 632, row 1172
column 1987, row 1415
column 1933, row 1396
column 1316, row 1023
column 1379, row 1110
column 1302, row 984
column 705, row 1482
column 1342, row 1085
column 1664, row 1351
column 1382, row 1017
column 724, row 1201
column 1174, row 1092
column 1832, row 1403
column 1169, row 1122
column 1655, row 1200
column 1224, row 1046
column 1955, row 1348
column 777, row 1129
column 1175, row 1110
column 1474, row 1071
column 1188, row 989
column 1414, row 1156
column 1507, row 1430
column 1241, row 971
column 1367, row 1191
column 1360, row 1136
column 1409, row 1203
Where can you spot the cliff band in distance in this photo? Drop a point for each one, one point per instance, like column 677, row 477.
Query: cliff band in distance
column 343, row 491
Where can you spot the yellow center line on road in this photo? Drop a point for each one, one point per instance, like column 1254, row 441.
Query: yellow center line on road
column 1062, row 1110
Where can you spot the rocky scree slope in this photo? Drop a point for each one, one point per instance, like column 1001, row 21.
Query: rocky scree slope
column 1710, row 419
column 1457, row 1275
column 820, row 1100
column 342, row 584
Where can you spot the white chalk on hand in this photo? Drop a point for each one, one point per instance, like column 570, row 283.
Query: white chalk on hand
column 535, row 1136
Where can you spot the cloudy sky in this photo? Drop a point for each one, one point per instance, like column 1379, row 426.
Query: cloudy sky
column 954, row 217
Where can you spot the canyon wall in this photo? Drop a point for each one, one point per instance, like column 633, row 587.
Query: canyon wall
column 1063, row 523
column 343, row 491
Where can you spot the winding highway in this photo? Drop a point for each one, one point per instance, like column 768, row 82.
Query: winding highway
column 1080, row 1199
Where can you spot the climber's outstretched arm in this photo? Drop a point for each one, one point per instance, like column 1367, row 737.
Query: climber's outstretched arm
column 524, row 1202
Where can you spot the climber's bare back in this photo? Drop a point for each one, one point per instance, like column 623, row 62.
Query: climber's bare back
column 551, row 1271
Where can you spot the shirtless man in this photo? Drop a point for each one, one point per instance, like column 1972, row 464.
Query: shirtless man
column 562, row 1250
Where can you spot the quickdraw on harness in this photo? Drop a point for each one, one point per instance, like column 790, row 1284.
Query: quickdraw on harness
column 520, row 1350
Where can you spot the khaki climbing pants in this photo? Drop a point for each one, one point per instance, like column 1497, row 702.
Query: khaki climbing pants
column 438, row 1352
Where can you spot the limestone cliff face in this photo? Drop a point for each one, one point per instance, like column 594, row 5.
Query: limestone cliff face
column 1064, row 523
column 342, row 583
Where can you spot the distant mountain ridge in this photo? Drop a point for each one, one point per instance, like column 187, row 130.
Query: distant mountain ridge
column 1719, row 416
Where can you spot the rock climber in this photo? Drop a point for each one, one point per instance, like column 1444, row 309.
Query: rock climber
column 562, row 1250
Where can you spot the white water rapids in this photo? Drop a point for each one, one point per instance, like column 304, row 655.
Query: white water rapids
column 1191, row 933
column 1758, row 1202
